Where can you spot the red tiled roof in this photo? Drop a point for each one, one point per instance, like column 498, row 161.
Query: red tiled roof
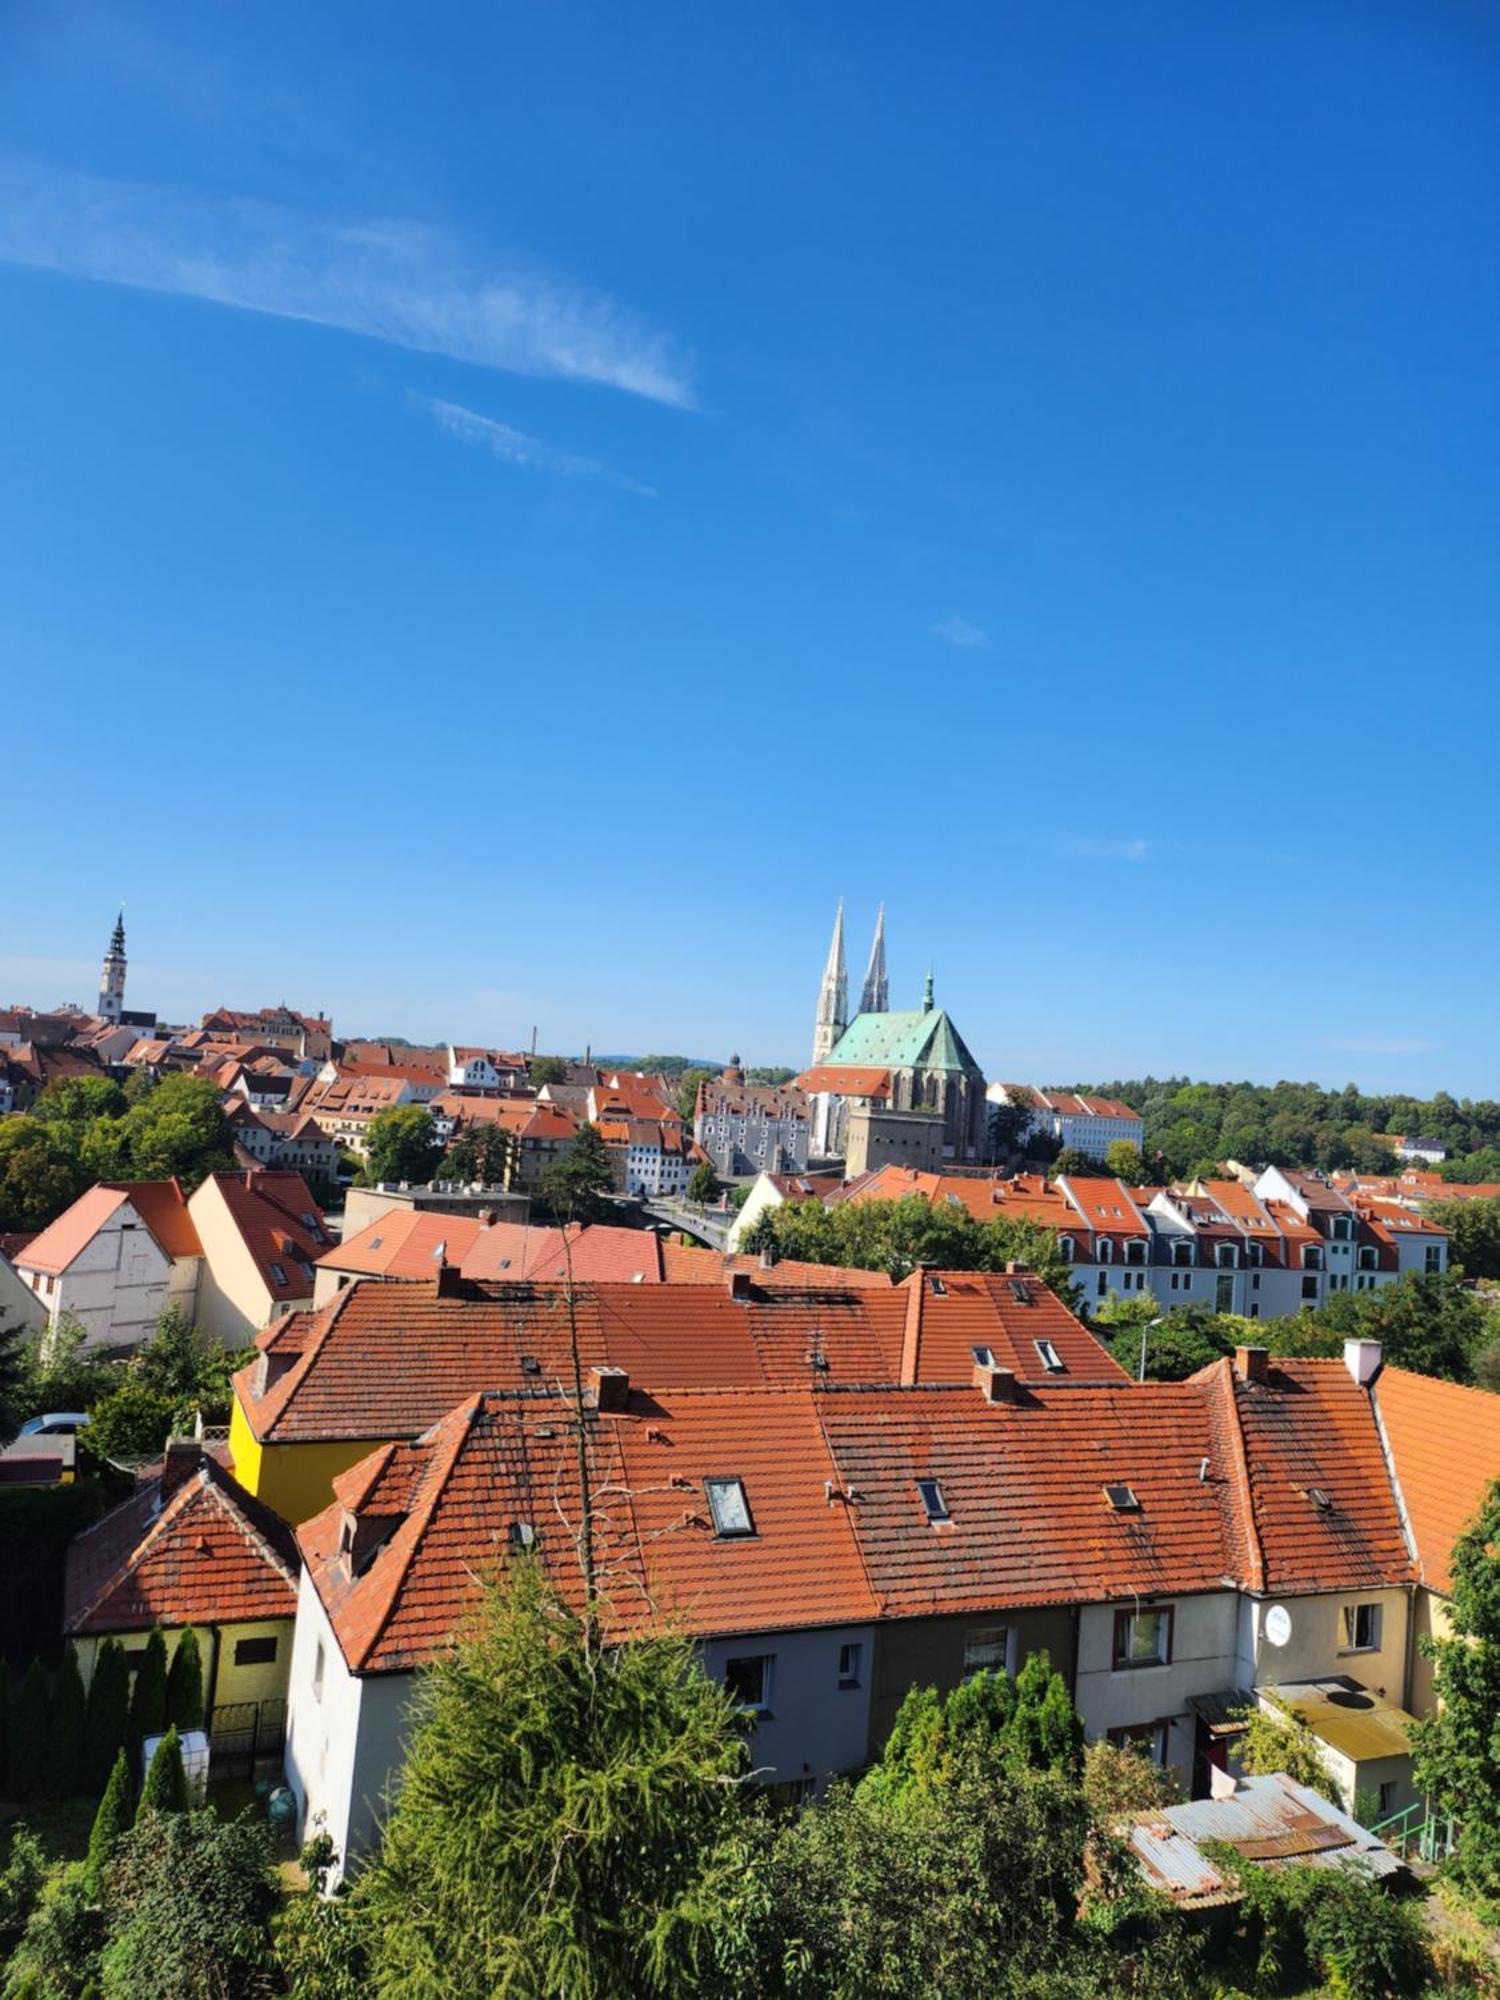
column 950, row 1313
column 386, row 1361
column 404, row 1244
column 280, row 1225
column 1029, row 1522
column 1309, row 1427
column 211, row 1554
column 693, row 1264
column 1445, row 1442
column 61, row 1241
column 845, row 1080
column 500, row 1459
column 162, row 1206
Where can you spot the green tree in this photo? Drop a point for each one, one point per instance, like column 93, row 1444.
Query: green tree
column 568, row 1820
column 185, row 1684
column 1276, row 1739
column 81, row 1100
column 703, row 1183
column 401, row 1144
column 40, row 1172
column 111, row 1822
column 1178, row 1343
column 546, row 1069
column 165, row 1789
column 478, row 1153
column 1123, row 1158
column 1473, row 1235
column 131, row 1423
column 65, row 1728
column 21, row 1878
column 182, row 1362
column 1458, row 1745
column 320, row 1938
column 28, row 1735
column 15, row 1375
column 148, row 1699
column 178, row 1132
column 57, row 1958
column 898, row 1236
column 1433, row 1325
column 574, row 1188
column 1119, row 1778
column 108, row 1715
column 61, row 1374
column 189, row 1900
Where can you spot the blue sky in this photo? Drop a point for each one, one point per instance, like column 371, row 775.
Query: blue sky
column 508, row 511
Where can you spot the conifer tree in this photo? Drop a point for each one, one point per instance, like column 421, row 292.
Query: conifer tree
column 66, row 1728
column 165, row 1789
column 568, row 1820
column 148, row 1701
column 185, row 1684
column 110, row 1821
column 108, row 1714
column 28, row 1743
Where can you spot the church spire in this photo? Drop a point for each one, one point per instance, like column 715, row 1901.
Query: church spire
column 833, row 995
column 927, row 1001
column 876, row 998
column 112, row 976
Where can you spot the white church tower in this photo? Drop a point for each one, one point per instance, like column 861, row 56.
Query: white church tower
column 112, row 978
column 833, row 996
column 876, row 997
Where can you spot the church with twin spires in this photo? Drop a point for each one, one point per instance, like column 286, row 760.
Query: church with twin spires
column 889, row 1088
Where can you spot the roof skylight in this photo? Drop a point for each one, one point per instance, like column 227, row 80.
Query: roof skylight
column 1122, row 1498
column 1051, row 1360
column 729, row 1506
column 930, row 1493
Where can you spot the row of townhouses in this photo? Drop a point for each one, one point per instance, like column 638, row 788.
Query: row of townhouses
column 841, row 1487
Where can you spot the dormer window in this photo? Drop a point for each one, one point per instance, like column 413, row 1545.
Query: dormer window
column 728, row 1504
column 278, row 1274
column 1106, row 1250
column 1065, row 1248
column 362, row 1537
column 1255, row 1255
column 1182, row 1251
column 1312, row 1257
column 1225, row 1254
column 1135, row 1251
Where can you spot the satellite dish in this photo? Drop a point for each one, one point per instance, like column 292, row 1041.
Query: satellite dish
column 1278, row 1627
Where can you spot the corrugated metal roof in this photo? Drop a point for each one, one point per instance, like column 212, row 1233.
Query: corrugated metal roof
column 1268, row 1819
column 1350, row 1719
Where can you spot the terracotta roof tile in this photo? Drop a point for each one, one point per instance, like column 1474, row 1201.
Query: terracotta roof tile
column 1445, row 1443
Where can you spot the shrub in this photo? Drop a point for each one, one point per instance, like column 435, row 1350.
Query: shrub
column 21, row 1878
column 57, row 1958
column 189, row 1902
column 111, row 1822
column 165, row 1789
column 148, row 1701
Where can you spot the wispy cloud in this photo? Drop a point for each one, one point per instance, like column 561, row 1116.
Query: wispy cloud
column 959, row 632
column 516, row 448
column 1381, row 1045
column 392, row 281
column 1086, row 848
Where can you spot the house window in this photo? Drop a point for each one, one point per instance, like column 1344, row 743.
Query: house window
column 729, row 1507
column 1143, row 1638
column 749, row 1681
column 1103, row 1283
column 930, row 1493
column 986, row 1650
column 1361, row 1628
column 1049, row 1357
column 1148, row 1739
column 318, row 1672
column 278, row 1276
column 255, row 1652
column 1434, row 1259
column 1309, row 1288
column 851, row 1653
column 1388, row 1794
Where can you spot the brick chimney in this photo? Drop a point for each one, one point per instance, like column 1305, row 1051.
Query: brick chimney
column 739, row 1287
column 994, row 1383
column 1363, row 1358
column 180, row 1460
column 609, row 1387
column 1250, row 1363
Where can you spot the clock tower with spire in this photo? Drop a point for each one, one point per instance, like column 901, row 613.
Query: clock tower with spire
column 112, row 978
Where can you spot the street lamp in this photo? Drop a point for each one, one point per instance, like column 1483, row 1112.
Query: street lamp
column 1141, row 1375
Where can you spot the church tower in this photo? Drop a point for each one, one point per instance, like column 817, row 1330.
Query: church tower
column 876, row 998
column 833, row 997
column 112, row 978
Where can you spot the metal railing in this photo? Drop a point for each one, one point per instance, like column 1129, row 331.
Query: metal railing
column 1417, row 1833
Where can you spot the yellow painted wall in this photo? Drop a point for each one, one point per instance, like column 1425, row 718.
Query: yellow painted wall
column 1433, row 1618
column 295, row 1480
column 246, row 1683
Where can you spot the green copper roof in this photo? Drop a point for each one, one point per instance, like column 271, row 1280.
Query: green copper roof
column 922, row 1039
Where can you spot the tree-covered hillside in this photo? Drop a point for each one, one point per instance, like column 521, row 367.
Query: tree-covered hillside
column 1191, row 1126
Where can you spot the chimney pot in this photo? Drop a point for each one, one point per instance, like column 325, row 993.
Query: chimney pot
column 739, row 1286
column 180, row 1461
column 1251, row 1363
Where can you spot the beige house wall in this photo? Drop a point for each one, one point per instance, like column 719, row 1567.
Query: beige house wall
column 233, row 1303
column 1431, row 1619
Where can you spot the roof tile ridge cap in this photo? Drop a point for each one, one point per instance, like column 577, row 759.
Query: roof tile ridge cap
column 301, row 1368
column 472, row 1407
column 879, row 1602
column 1224, row 1385
column 237, row 1518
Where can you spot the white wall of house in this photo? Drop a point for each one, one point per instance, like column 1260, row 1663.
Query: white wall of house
column 1202, row 1661
column 764, row 1194
column 19, row 1303
column 814, row 1725
column 116, row 1287
column 1318, row 1646
column 345, row 1734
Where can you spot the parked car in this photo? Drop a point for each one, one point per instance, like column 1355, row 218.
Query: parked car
column 57, row 1423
